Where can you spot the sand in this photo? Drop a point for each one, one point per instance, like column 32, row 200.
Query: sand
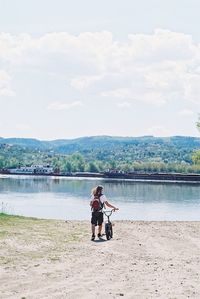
column 56, row 259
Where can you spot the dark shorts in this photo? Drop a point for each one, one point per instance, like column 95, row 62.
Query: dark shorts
column 97, row 218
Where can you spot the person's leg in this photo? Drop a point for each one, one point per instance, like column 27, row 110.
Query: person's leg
column 93, row 229
column 100, row 223
column 100, row 229
column 93, row 224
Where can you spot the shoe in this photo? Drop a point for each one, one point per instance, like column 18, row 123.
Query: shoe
column 93, row 237
column 99, row 235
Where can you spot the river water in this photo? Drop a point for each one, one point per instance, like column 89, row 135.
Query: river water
column 68, row 198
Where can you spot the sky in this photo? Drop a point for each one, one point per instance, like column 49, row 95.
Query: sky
column 84, row 68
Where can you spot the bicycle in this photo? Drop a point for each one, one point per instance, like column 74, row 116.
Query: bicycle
column 108, row 225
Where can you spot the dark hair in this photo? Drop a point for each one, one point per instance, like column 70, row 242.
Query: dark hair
column 98, row 191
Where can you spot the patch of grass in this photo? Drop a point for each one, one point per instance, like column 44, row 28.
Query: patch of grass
column 20, row 221
column 6, row 260
column 3, row 215
column 7, row 221
column 25, row 240
column 8, row 216
column 27, row 230
column 54, row 258
column 3, row 233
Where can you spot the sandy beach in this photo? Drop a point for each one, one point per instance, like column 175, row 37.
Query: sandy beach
column 56, row 259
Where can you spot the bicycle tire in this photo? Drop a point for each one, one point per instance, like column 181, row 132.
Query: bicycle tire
column 108, row 231
column 111, row 230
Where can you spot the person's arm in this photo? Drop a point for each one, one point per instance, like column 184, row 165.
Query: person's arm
column 110, row 206
column 91, row 201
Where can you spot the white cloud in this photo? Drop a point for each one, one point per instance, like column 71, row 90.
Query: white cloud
column 192, row 87
column 22, row 127
column 159, row 130
column 5, row 89
column 64, row 106
column 154, row 98
column 153, row 68
column 186, row 112
column 121, row 93
column 84, row 81
column 124, row 104
column 163, row 45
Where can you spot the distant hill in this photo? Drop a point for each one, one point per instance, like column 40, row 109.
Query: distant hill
column 145, row 148
column 103, row 140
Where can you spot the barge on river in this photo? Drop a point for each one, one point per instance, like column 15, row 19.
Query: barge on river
column 136, row 176
column 177, row 177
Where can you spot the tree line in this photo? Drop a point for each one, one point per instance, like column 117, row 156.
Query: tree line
column 12, row 156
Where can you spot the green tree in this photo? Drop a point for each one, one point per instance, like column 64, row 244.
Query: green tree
column 196, row 157
column 92, row 167
column 2, row 163
column 68, row 167
column 198, row 123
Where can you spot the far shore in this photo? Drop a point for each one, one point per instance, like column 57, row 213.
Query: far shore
column 178, row 178
column 56, row 259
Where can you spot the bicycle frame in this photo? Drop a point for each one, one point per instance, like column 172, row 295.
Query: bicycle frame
column 108, row 214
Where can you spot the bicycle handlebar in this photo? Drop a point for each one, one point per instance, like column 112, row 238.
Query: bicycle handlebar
column 108, row 213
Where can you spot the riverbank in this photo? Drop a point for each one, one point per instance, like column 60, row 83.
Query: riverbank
column 56, row 259
column 182, row 178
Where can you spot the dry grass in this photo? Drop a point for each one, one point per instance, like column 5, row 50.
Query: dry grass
column 26, row 239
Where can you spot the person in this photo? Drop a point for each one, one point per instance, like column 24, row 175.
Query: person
column 97, row 212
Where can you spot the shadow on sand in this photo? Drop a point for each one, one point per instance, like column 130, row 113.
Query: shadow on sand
column 99, row 240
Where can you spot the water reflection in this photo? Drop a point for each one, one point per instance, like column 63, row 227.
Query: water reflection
column 50, row 197
column 128, row 191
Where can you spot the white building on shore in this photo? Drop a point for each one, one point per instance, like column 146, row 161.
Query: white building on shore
column 33, row 169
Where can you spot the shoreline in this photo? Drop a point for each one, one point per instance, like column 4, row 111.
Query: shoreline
column 173, row 178
column 56, row 259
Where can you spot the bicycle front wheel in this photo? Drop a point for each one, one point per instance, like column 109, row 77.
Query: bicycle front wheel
column 108, row 231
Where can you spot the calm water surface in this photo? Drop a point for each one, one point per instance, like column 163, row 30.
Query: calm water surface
column 68, row 198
